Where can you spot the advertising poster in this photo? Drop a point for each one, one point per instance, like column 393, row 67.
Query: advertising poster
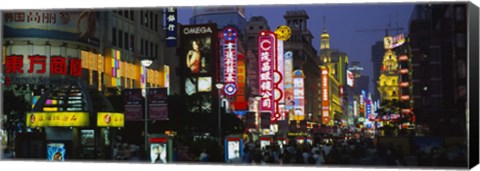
column 158, row 153
column 56, row 152
column 157, row 104
column 133, row 104
column 78, row 26
column 299, row 94
column 197, row 65
column 233, row 150
column 264, row 143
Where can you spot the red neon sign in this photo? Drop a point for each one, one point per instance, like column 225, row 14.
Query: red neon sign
column 266, row 51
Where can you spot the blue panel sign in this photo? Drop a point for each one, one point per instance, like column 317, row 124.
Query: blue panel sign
column 171, row 26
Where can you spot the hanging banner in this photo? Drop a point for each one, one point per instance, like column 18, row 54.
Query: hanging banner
column 157, row 104
column 288, row 75
column 133, row 110
column 299, row 94
column 267, row 47
column 171, row 26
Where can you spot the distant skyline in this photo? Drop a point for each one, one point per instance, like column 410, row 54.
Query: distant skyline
column 342, row 22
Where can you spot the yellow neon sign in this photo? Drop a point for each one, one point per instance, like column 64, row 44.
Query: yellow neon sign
column 57, row 119
column 109, row 119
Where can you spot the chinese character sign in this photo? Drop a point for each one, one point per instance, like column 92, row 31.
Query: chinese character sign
column 266, row 55
column 171, row 26
column 325, row 96
column 230, row 60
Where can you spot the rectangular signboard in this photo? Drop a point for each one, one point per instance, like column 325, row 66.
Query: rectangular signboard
column 157, row 104
column 133, row 104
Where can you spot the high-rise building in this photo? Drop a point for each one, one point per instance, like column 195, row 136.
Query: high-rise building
column 304, row 57
column 254, row 26
column 439, row 42
column 335, row 63
column 222, row 16
column 377, row 56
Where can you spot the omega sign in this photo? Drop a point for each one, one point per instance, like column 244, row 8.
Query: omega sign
column 197, row 30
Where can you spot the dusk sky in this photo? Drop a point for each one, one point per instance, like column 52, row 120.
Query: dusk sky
column 342, row 20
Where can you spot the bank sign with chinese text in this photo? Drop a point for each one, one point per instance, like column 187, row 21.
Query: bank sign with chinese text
column 266, row 54
column 34, row 68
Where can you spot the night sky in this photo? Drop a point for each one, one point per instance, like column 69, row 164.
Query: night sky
column 342, row 20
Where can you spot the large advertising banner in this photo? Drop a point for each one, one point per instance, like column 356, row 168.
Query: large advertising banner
column 198, row 54
column 229, row 44
column 157, row 104
column 299, row 95
column 288, row 75
column 79, row 26
column 267, row 47
column 133, row 104
column 325, row 96
column 56, row 152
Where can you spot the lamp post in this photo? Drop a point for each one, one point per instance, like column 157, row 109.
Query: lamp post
column 219, row 86
column 146, row 63
column 257, row 102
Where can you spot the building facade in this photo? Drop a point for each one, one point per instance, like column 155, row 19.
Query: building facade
column 304, row 58
column 439, row 41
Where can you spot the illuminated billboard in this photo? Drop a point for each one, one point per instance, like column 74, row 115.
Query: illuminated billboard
column 267, row 47
column 350, row 78
column 198, row 57
column 78, row 26
column 299, row 94
column 110, row 119
column 288, row 83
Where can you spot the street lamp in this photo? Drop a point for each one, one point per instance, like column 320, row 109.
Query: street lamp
column 219, row 86
column 146, row 63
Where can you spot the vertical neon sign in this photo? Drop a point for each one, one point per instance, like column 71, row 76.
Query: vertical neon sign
column 267, row 45
column 230, row 60
column 325, row 97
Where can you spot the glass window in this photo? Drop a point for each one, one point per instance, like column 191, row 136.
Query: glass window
column 114, row 36
column 460, row 40
column 132, row 42
column 141, row 47
column 126, row 13
column 156, row 22
column 132, row 16
column 126, row 41
column 120, row 38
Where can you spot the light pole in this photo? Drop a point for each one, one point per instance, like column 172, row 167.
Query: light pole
column 146, row 63
column 257, row 100
column 219, row 86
